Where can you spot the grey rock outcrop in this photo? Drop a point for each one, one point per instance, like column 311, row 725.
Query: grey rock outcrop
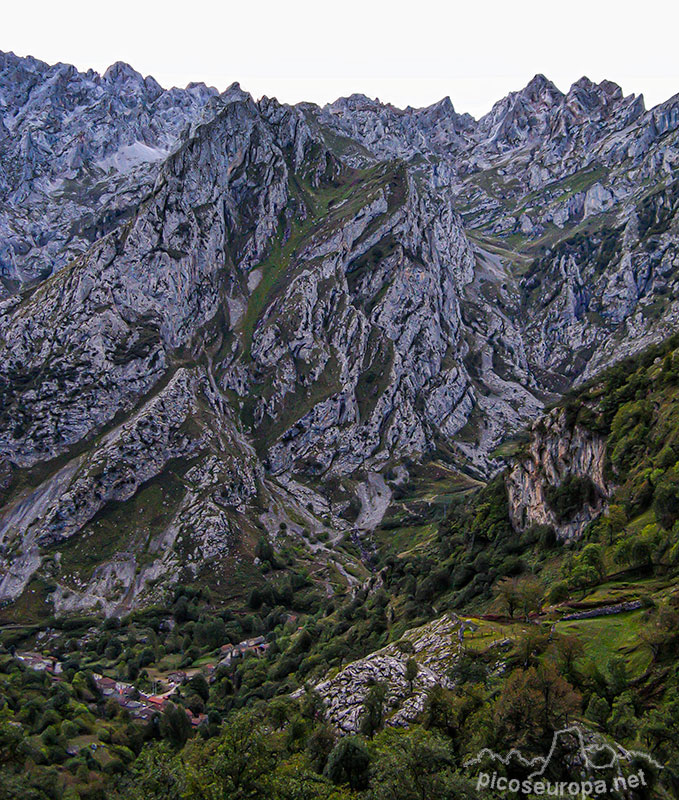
column 434, row 647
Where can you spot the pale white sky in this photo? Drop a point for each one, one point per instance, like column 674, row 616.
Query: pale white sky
column 407, row 53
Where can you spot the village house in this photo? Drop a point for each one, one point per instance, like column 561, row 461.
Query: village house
column 195, row 719
column 107, row 686
column 155, row 701
column 257, row 645
column 39, row 662
column 145, row 713
column 177, row 677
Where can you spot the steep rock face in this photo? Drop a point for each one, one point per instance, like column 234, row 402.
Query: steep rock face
column 560, row 184
column 371, row 314
column 113, row 470
column 282, row 273
column 107, row 336
column 557, row 129
column 137, row 295
column 123, row 460
column 603, row 296
column 181, row 457
column 541, row 175
column 557, row 453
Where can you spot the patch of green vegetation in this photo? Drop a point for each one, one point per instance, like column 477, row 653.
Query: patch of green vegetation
column 376, row 373
column 570, row 496
column 520, row 262
column 575, row 183
column 123, row 526
column 296, row 404
column 342, row 146
column 611, row 592
column 609, row 636
column 512, row 447
column 404, row 540
column 655, row 309
column 448, row 545
column 487, row 634
column 365, row 264
column 32, row 605
column 272, row 269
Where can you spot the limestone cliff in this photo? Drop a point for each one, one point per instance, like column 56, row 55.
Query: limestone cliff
column 556, row 455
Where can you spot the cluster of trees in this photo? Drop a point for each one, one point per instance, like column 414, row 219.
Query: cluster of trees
column 300, row 756
column 524, row 594
column 47, row 727
column 285, row 748
column 632, row 406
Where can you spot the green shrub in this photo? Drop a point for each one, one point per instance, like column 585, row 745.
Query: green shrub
column 666, row 499
column 598, row 709
column 569, row 497
column 349, row 763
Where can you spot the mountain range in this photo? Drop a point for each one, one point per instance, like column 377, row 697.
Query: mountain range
column 225, row 320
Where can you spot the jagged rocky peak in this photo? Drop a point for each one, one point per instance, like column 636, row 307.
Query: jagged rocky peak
column 127, row 79
column 443, row 106
column 589, row 101
column 361, row 103
column 233, row 92
column 17, row 74
column 389, row 132
column 355, row 102
column 603, row 92
column 80, row 152
column 441, row 113
column 540, row 91
column 520, row 115
column 542, row 116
